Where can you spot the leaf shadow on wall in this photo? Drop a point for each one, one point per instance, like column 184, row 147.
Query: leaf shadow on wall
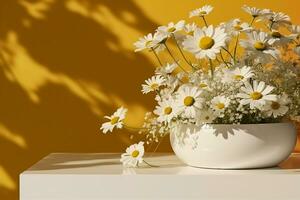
column 63, row 70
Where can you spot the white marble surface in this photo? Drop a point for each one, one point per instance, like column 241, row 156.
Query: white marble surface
column 91, row 176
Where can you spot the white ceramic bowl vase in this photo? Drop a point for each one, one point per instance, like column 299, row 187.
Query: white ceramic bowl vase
column 227, row 146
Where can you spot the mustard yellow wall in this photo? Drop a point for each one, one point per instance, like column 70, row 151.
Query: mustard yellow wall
column 67, row 62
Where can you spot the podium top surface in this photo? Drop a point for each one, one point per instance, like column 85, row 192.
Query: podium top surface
column 109, row 164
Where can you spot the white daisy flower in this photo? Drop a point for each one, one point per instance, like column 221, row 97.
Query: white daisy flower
column 259, row 44
column 189, row 101
column 171, row 80
column 255, row 12
column 152, row 84
column 165, row 93
column 134, row 155
column 242, row 74
column 171, row 28
column 279, row 19
column 205, row 117
column 237, row 74
column 278, row 39
column 115, row 120
column 200, row 12
column 206, row 42
column 200, row 82
column 166, row 110
column 190, row 28
column 277, row 108
column 257, row 95
column 219, row 104
column 166, row 69
column 150, row 41
column 235, row 27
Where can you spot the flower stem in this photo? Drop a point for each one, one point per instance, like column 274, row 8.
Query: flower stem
column 235, row 49
column 153, row 50
column 174, row 58
column 223, row 59
column 219, row 62
column 158, row 93
column 181, row 52
column 211, row 68
column 228, row 52
column 157, row 146
column 204, row 20
column 252, row 21
column 150, row 164
column 271, row 25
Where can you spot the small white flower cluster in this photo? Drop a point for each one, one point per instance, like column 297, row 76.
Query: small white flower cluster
column 153, row 128
column 232, row 73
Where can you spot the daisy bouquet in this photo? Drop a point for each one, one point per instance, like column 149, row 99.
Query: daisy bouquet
column 236, row 72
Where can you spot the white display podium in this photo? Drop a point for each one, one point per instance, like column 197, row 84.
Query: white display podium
column 95, row 176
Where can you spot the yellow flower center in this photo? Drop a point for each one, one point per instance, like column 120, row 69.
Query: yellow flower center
column 259, row 46
column 171, row 30
column 189, row 101
column 191, row 33
column 220, row 105
column 203, row 12
column 237, row 27
column 276, row 34
column 114, row 120
column 206, row 42
column 275, row 105
column 207, row 117
column 135, row 153
column 202, row 85
column 154, row 86
column 168, row 110
column 238, row 77
column 256, row 95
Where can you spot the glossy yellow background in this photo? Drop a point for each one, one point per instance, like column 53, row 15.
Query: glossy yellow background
column 68, row 62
